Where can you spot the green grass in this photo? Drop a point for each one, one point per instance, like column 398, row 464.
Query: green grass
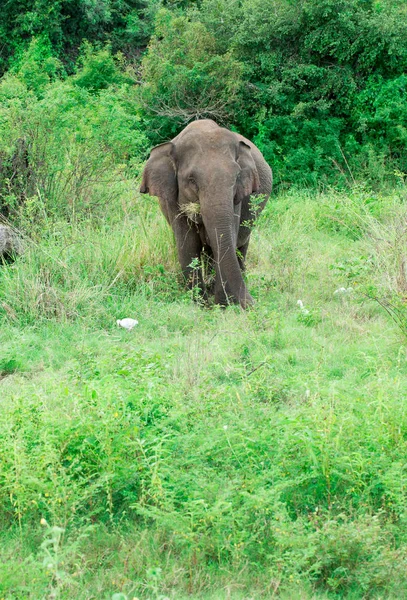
column 209, row 453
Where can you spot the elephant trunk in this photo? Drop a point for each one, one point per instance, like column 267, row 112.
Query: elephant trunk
column 221, row 227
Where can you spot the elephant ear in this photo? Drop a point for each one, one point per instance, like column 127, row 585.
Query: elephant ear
column 159, row 176
column 248, row 182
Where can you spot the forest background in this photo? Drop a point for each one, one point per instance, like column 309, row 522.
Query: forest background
column 320, row 87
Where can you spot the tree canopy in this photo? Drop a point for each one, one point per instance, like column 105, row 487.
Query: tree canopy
column 319, row 85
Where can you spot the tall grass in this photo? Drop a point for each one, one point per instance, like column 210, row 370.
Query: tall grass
column 209, row 453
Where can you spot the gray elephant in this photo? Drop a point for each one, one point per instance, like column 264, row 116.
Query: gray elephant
column 203, row 179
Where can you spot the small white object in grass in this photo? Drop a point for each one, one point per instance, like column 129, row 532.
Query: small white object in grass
column 343, row 290
column 302, row 307
column 127, row 323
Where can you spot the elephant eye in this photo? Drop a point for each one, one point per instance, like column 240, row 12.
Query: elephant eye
column 192, row 181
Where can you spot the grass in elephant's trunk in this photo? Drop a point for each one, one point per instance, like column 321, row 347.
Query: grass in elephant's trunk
column 191, row 210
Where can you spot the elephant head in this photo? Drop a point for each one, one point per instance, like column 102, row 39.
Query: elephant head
column 204, row 178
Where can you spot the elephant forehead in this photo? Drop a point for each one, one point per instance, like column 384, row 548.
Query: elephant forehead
column 208, row 165
column 209, row 172
column 214, row 142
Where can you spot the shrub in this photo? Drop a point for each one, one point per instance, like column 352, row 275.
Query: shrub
column 64, row 144
column 185, row 76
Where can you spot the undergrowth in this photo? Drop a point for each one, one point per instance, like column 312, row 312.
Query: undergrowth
column 208, row 453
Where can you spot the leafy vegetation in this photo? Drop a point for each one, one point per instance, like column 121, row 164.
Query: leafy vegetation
column 319, row 85
column 208, row 453
column 206, row 449
column 63, row 25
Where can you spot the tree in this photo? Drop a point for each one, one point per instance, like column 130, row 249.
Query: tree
column 185, row 76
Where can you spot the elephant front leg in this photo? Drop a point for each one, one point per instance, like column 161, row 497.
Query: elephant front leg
column 225, row 296
column 241, row 256
column 221, row 292
column 242, row 246
column 189, row 248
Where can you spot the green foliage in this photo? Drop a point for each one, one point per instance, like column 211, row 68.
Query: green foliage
column 318, row 85
column 226, row 446
column 37, row 67
column 97, row 70
column 381, row 116
column 66, row 24
column 208, row 453
column 311, row 65
column 322, row 90
column 60, row 138
column 184, row 76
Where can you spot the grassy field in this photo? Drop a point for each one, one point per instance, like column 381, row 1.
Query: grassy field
column 208, row 454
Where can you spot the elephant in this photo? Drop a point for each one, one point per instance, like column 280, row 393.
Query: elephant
column 204, row 178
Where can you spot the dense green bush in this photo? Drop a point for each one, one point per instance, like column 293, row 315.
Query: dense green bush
column 64, row 143
column 65, row 24
column 186, row 77
column 320, row 86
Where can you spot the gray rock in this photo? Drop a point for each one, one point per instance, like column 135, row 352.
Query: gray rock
column 10, row 243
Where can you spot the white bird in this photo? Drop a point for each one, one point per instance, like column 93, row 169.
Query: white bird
column 127, row 323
